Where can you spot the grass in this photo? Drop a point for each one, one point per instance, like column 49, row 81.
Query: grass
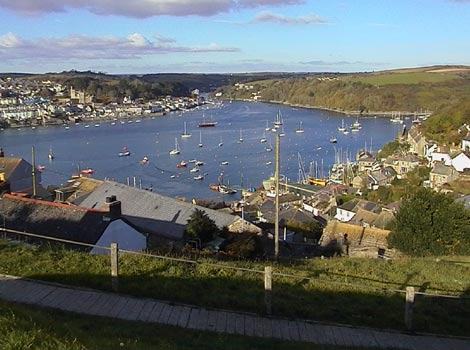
column 33, row 328
column 320, row 299
column 404, row 78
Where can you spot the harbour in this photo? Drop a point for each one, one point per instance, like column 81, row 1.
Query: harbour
column 147, row 145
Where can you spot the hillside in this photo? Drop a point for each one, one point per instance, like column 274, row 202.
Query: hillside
column 442, row 90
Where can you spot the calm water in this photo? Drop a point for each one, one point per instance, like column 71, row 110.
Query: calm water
column 97, row 147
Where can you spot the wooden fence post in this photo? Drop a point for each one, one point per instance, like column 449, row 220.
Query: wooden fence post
column 268, row 288
column 114, row 267
column 410, row 299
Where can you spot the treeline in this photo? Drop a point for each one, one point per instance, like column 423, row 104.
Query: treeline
column 448, row 100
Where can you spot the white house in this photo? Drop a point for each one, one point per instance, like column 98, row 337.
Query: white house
column 460, row 161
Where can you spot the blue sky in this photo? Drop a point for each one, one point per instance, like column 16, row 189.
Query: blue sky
column 221, row 36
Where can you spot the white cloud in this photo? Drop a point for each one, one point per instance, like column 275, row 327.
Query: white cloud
column 140, row 8
column 82, row 47
column 268, row 17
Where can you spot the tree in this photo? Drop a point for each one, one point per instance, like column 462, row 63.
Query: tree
column 431, row 223
column 201, row 226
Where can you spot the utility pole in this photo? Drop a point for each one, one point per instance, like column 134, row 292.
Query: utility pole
column 276, row 220
column 33, row 173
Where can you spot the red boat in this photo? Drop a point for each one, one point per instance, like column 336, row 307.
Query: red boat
column 41, row 167
column 88, row 171
column 182, row 164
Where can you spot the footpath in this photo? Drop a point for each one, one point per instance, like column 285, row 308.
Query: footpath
column 98, row 303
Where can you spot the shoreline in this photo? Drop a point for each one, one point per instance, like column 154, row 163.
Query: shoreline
column 371, row 114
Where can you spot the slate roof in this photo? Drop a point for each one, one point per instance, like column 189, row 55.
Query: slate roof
column 149, row 211
column 52, row 219
column 8, row 165
column 442, row 169
column 356, row 204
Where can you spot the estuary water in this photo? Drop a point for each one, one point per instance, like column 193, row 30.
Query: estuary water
column 231, row 148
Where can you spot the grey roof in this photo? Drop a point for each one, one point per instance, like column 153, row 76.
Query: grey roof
column 149, row 211
column 52, row 219
column 442, row 169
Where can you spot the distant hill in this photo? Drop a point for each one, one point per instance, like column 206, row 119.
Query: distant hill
column 442, row 90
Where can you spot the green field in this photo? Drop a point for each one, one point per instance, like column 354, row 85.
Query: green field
column 32, row 328
column 381, row 79
column 339, row 289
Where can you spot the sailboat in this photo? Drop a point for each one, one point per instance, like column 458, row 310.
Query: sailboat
column 282, row 133
column 278, row 120
column 270, row 147
column 51, row 155
column 342, row 128
column 300, row 130
column 185, row 134
column 240, row 140
column 264, row 139
column 176, row 150
column 267, row 126
column 221, row 143
column 356, row 124
column 200, row 139
column 205, row 123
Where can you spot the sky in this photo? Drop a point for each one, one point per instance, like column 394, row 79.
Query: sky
column 231, row 36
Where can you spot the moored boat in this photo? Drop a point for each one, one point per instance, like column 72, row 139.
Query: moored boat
column 87, row 171
column 124, row 152
column 182, row 164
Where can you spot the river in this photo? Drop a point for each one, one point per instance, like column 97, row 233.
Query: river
column 97, row 147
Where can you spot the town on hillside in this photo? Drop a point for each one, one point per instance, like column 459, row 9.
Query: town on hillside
column 359, row 199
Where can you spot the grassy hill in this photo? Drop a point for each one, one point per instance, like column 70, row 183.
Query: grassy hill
column 442, row 90
column 343, row 290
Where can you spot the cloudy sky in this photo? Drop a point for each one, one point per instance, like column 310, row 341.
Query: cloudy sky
column 220, row 36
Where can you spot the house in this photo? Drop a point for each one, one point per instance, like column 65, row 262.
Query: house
column 90, row 226
column 466, row 143
column 381, row 177
column 348, row 210
column 460, row 161
column 441, row 174
column 365, row 161
column 18, row 172
column 417, row 141
column 360, row 181
column 402, row 164
column 441, row 154
column 161, row 217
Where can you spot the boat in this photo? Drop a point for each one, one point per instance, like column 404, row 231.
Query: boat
column 200, row 140
column 214, row 187
column 315, row 176
column 199, row 162
column 87, row 171
column 240, row 140
column 269, row 148
column 396, row 119
column 41, row 168
column 333, row 139
column 176, row 150
column 282, row 133
column 185, row 134
column 124, row 153
column 226, row 190
column 267, row 126
column 264, row 139
column 206, row 124
column 354, row 128
column 342, row 128
column 221, row 143
column 345, row 131
column 145, row 160
column 268, row 162
column 356, row 124
column 278, row 121
column 300, row 130
column 182, row 164
column 198, row 177
column 97, row 125
column 194, row 170
column 51, row 155
column 224, row 162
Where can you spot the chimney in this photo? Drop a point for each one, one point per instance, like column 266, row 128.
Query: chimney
column 112, row 206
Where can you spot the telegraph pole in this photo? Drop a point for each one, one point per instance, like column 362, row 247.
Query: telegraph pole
column 276, row 220
column 33, row 173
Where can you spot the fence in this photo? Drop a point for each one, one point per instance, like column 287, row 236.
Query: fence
column 268, row 275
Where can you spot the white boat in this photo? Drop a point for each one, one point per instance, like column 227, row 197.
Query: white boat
column 194, row 170
column 300, row 130
column 333, row 139
column 264, row 139
column 185, row 134
column 200, row 139
column 356, row 124
column 270, row 147
column 278, row 121
column 224, row 162
column 176, row 150
column 198, row 177
column 51, row 155
column 342, row 128
column 221, row 143
column 282, row 133
column 267, row 126
column 240, row 140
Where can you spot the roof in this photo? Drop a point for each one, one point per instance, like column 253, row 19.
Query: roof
column 442, row 169
column 52, row 219
column 149, row 211
column 356, row 204
column 8, row 165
